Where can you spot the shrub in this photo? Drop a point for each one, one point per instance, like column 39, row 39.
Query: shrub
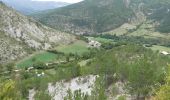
column 39, row 65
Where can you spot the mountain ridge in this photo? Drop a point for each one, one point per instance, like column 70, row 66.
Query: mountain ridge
column 33, row 6
column 26, row 33
column 80, row 17
column 97, row 16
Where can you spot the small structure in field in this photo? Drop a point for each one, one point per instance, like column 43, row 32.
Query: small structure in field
column 40, row 75
column 93, row 43
column 164, row 53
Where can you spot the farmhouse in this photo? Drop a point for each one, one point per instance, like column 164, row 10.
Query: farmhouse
column 94, row 44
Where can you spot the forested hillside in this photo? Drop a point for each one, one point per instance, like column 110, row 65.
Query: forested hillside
column 89, row 16
column 96, row 16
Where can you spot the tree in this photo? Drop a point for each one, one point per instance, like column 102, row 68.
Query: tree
column 10, row 67
column 9, row 91
column 164, row 91
column 77, row 95
column 39, row 65
column 33, row 59
column 76, row 56
column 99, row 89
column 69, row 95
column 42, row 95
column 67, row 58
column 1, row 68
column 143, row 75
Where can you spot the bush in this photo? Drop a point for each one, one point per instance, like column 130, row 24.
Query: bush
column 135, row 65
column 107, row 46
column 122, row 98
column 42, row 95
column 164, row 90
column 56, row 52
column 10, row 67
column 9, row 91
column 39, row 65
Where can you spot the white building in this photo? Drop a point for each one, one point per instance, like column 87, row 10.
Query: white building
column 164, row 53
column 94, row 44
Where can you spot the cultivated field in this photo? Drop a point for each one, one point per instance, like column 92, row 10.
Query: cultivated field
column 78, row 47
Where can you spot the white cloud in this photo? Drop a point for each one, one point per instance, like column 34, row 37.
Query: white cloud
column 69, row 1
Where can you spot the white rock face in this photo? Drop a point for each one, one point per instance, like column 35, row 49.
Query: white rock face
column 26, row 29
column 59, row 90
column 127, row 2
column 33, row 44
column 46, row 46
column 9, row 49
column 31, row 95
column 119, row 90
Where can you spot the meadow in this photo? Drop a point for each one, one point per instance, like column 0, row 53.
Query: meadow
column 41, row 57
column 160, row 48
column 78, row 47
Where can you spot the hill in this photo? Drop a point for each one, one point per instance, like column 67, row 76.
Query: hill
column 33, row 6
column 89, row 16
column 20, row 35
column 97, row 16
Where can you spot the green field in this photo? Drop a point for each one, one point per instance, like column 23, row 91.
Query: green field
column 160, row 48
column 84, row 62
column 78, row 47
column 42, row 57
column 144, row 30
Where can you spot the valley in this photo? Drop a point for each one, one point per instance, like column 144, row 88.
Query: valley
column 63, row 68
column 79, row 47
column 90, row 50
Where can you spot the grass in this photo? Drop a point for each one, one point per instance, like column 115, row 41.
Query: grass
column 78, row 47
column 42, row 57
column 160, row 48
column 122, row 30
column 145, row 30
column 84, row 62
column 147, row 33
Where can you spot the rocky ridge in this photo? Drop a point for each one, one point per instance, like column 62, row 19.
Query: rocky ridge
column 18, row 31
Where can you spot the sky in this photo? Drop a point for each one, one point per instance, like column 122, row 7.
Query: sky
column 69, row 1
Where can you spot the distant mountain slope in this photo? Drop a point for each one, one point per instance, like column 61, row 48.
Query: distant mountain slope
column 19, row 34
column 96, row 16
column 29, row 6
column 89, row 16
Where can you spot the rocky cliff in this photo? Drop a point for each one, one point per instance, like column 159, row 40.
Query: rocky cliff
column 18, row 33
